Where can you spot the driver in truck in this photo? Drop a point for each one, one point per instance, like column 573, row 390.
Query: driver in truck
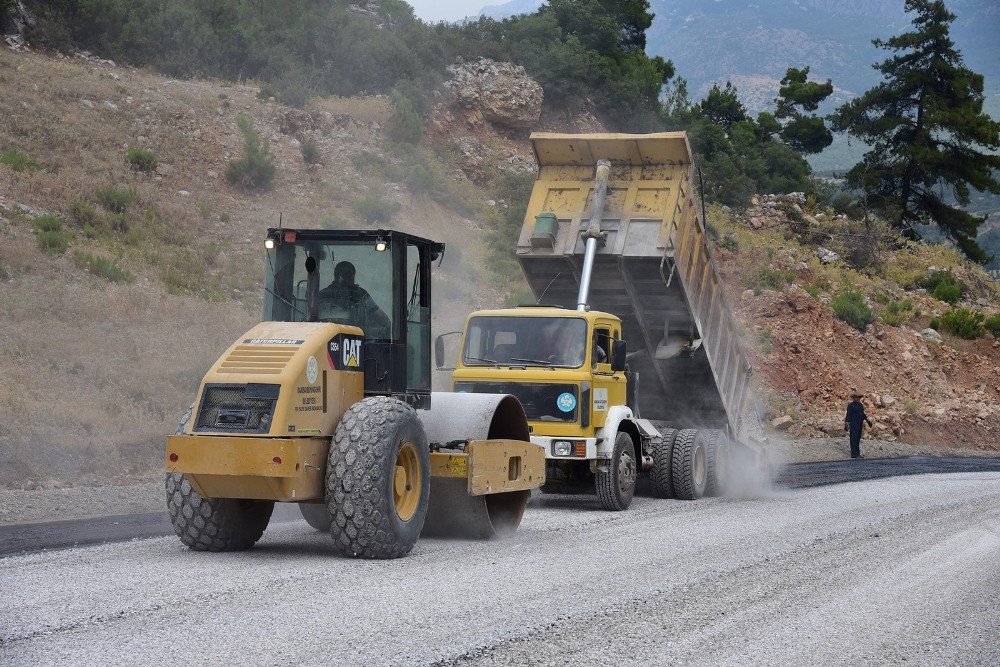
column 353, row 301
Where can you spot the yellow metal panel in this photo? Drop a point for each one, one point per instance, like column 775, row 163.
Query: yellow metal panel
column 449, row 465
column 499, row 466
column 259, row 468
column 313, row 394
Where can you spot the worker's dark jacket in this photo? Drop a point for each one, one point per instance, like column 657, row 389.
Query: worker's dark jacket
column 856, row 416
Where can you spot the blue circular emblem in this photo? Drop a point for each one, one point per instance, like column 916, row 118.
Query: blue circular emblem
column 566, row 402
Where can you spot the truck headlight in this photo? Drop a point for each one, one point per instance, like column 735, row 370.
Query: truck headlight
column 562, row 448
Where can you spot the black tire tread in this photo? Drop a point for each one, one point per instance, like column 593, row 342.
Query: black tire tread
column 213, row 524
column 356, row 480
column 606, row 483
column 682, row 464
column 716, row 441
column 660, row 475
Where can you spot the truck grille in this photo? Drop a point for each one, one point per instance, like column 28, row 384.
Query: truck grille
column 542, row 401
column 237, row 408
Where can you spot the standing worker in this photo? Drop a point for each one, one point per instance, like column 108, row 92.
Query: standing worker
column 854, row 423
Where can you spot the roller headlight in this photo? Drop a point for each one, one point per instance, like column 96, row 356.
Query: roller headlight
column 562, row 448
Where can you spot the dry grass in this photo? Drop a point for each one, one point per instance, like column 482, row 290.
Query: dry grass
column 375, row 109
column 95, row 374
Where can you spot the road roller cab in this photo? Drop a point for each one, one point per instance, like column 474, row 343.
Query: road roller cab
column 327, row 403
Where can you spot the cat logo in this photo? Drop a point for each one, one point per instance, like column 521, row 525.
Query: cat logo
column 352, row 353
column 344, row 352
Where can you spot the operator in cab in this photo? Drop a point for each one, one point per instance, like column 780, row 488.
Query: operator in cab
column 346, row 302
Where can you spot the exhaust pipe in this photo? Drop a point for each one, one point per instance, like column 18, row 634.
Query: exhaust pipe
column 593, row 234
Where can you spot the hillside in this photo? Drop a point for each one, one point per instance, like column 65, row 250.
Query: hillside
column 96, row 372
column 100, row 364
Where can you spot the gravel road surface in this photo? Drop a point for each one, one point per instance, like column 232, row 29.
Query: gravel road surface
column 879, row 571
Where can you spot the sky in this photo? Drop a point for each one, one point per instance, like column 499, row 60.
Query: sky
column 448, row 10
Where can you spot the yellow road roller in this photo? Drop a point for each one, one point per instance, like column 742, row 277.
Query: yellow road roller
column 327, row 403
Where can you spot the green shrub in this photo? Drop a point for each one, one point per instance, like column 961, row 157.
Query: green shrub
column 992, row 325
column 47, row 223
column 310, row 151
column 256, row 169
column 18, row 161
column 83, row 214
column 51, row 238
column 3, row 272
column 910, row 406
column 897, row 312
column 141, row 159
column 943, row 285
column 850, row 306
column 964, row 323
column 774, row 279
column 102, row 267
column 420, row 178
column 729, row 242
column 204, row 210
column 376, row 211
column 405, row 125
column 54, row 243
column 115, row 200
column 935, row 323
column 224, row 217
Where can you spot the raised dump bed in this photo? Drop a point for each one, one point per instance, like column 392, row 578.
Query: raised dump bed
column 654, row 270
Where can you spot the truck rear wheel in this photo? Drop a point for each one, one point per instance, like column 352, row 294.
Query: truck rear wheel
column 718, row 463
column 213, row 524
column 316, row 515
column 659, row 475
column 616, row 487
column 689, row 464
column 378, row 479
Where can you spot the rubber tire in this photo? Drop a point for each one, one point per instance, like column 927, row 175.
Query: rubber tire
column 659, row 476
column 317, row 516
column 687, row 445
column 213, row 524
column 609, row 491
column 359, row 479
column 717, row 463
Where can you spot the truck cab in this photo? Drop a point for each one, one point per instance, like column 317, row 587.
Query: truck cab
column 567, row 368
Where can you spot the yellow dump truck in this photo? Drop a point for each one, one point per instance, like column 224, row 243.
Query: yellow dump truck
column 327, row 403
column 614, row 249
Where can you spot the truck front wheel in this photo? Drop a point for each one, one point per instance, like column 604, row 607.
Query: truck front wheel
column 616, row 487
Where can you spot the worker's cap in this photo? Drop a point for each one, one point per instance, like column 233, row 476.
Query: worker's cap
column 856, row 394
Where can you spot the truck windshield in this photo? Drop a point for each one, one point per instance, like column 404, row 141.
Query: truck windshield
column 342, row 281
column 525, row 341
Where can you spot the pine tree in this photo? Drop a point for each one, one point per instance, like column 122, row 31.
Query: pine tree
column 805, row 132
column 925, row 125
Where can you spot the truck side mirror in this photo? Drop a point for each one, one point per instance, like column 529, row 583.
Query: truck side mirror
column 439, row 350
column 618, row 354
